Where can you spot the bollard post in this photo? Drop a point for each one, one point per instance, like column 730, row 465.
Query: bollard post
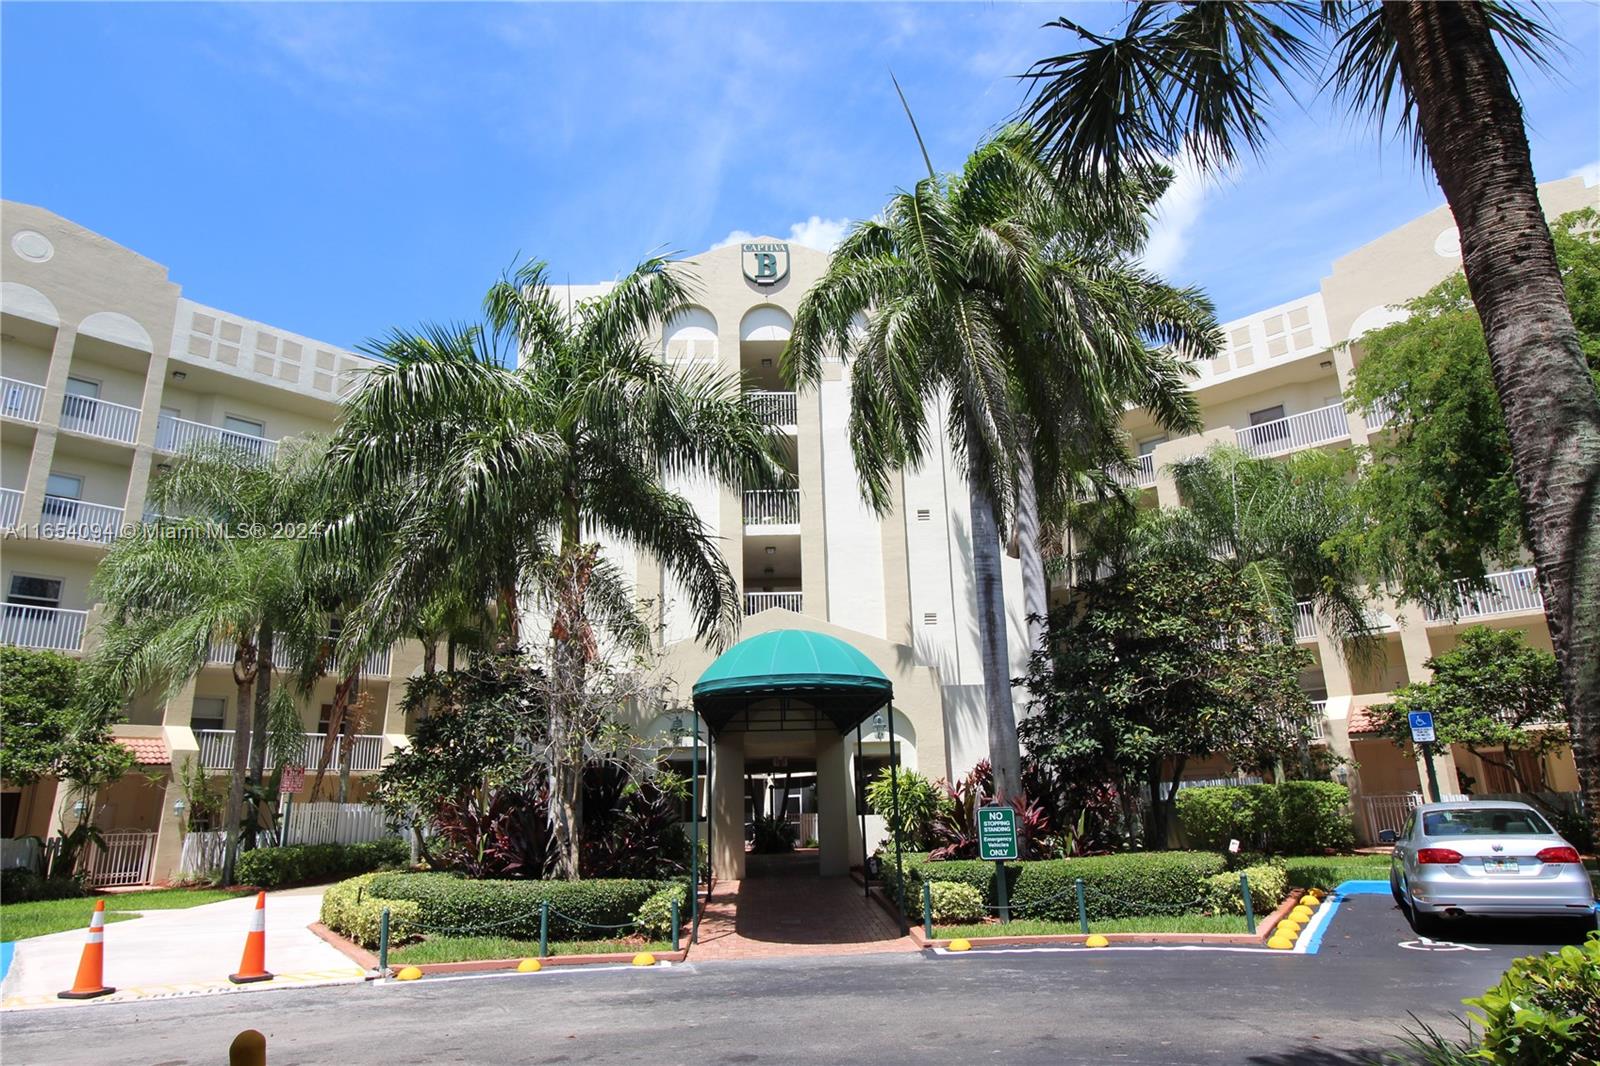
column 383, row 943
column 1083, row 909
column 1002, row 893
column 1249, row 909
column 544, row 928
column 927, row 909
column 674, row 925
column 249, row 1048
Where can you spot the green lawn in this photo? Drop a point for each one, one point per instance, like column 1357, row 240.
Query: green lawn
column 1327, row 871
column 469, row 948
column 1184, row 923
column 19, row 921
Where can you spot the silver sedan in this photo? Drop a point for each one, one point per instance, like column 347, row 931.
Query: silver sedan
column 1486, row 857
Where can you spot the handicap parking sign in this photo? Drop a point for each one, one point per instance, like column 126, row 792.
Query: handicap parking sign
column 1421, row 727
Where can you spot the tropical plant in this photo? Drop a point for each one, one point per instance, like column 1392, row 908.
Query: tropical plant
column 955, row 825
column 502, row 480
column 917, row 799
column 773, row 835
column 1197, row 77
column 1007, row 302
column 216, row 575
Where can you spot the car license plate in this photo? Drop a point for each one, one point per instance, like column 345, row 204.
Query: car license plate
column 1499, row 866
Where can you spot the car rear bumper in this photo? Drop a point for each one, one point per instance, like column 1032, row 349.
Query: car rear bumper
column 1566, row 894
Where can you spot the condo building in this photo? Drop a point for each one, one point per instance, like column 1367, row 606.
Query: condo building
column 108, row 371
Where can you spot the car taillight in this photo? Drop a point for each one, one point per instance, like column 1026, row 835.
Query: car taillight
column 1442, row 856
column 1558, row 855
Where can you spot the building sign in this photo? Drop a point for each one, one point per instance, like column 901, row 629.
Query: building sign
column 294, row 780
column 997, row 834
column 765, row 262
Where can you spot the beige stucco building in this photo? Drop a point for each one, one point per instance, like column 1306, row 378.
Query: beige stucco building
column 108, row 370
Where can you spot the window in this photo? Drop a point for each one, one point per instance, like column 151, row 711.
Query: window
column 1148, row 446
column 210, row 712
column 1484, row 821
column 1269, row 425
column 78, row 405
column 1266, row 414
column 34, row 591
column 243, row 426
column 67, row 486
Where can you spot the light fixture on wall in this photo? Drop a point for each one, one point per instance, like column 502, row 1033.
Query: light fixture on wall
column 768, row 570
column 1341, row 774
column 178, row 807
column 179, row 375
column 771, row 550
column 880, row 727
column 1326, row 363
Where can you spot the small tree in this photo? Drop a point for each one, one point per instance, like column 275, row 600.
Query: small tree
column 1166, row 660
column 1492, row 694
column 46, row 730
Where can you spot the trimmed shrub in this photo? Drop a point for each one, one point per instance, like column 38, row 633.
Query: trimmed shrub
column 350, row 909
column 579, row 910
column 655, row 914
column 26, row 886
column 1269, row 883
column 302, row 863
column 1116, row 886
column 1333, row 871
column 955, row 902
column 1545, row 1010
column 1292, row 817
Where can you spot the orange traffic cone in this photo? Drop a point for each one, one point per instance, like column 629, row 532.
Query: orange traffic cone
column 91, row 966
column 253, row 967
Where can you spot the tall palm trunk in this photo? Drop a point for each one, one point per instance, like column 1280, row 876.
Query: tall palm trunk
column 1005, row 754
column 1035, row 588
column 258, row 730
column 569, row 659
column 1472, row 124
column 244, row 676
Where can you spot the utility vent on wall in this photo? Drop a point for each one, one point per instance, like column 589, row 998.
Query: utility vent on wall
column 930, row 618
column 924, row 515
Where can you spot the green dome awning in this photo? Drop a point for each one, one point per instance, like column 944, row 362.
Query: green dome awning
column 792, row 667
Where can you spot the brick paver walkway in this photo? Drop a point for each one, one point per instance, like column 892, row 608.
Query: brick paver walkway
column 783, row 907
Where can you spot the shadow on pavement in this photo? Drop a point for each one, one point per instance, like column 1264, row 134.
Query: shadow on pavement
column 1320, row 1056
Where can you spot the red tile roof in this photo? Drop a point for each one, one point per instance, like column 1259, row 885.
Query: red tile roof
column 148, row 751
column 1361, row 720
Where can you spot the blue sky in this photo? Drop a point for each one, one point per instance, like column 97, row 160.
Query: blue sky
column 338, row 170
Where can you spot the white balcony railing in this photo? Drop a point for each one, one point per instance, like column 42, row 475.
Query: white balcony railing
column 20, row 399
column 1143, row 473
column 773, row 408
column 10, row 508
column 64, row 518
column 366, row 750
column 174, row 434
column 100, row 418
column 45, row 628
column 1319, row 724
column 1509, row 591
column 1305, row 620
column 1380, row 414
column 1304, row 430
column 772, row 507
column 374, row 665
column 756, row 602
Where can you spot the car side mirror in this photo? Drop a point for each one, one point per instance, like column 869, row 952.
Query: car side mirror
column 1388, row 836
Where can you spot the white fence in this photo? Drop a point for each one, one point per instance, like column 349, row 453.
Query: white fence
column 772, row 507
column 100, row 418
column 20, row 399
column 202, row 854
column 10, row 507
column 773, row 408
column 1509, row 591
column 69, row 519
column 1289, row 434
column 1388, row 811
column 756, row 602
column 47, row 628
column 333, row 823
column 174, row 434
column 128, row 858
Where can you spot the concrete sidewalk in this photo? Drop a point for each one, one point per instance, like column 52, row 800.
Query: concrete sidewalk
column 182, row 952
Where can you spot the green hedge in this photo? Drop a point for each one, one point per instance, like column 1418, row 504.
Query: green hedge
column 1315, row 871
column 1269, row 883
column 350, row 909
column 654, row 919
column 1285, row 818
column 578, row 909
column 1115, row 886
column 302, row 863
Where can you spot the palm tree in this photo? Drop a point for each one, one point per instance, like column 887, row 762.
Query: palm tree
column 1008, row 300
column 217, row 575
column 1196, row 77
column 499, row 482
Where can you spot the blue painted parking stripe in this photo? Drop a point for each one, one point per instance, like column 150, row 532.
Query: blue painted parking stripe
column 1311, row 937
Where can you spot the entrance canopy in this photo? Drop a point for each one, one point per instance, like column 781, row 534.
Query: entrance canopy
column 790, row 678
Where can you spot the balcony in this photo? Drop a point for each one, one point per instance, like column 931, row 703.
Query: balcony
column 10, row 508
column 1305, row 430
column 20, row 399
column 374, row 665
column 1143, row 473
column 1305, row 621
column 366, row 752
column 1319, row 725
column 100, row 418
column 46, row 628
column 773, row 408
column 63, row 518
column 756, row 602
column 772, row 507
column 1509, row 592
column 174, row 434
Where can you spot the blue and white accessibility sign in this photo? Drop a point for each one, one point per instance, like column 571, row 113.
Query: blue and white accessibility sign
column 1421, row 727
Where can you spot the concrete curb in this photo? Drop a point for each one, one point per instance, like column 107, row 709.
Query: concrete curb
column 1263, row 931
column 369, row 962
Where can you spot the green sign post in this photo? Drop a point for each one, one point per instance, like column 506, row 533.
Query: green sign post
column 997, row 842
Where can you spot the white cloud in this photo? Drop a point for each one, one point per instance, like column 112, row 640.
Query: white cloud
column 823, row 234
column 1589, row 172
column 1176, row 214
